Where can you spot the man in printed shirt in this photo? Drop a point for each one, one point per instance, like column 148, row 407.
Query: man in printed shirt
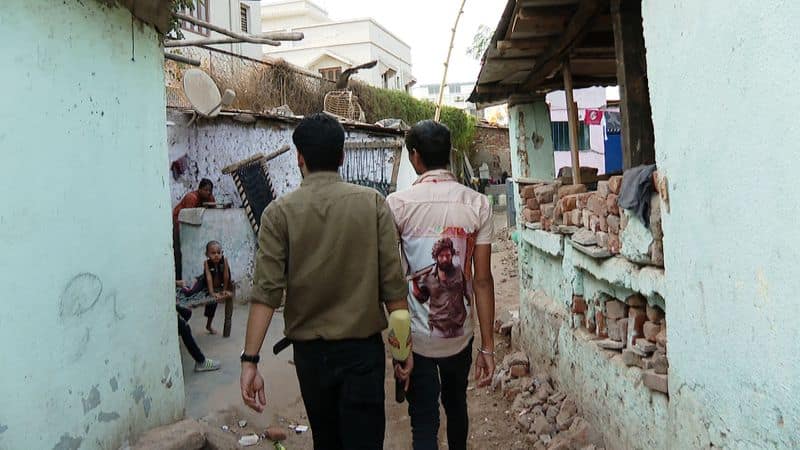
column 438, row 214
column 445, row 285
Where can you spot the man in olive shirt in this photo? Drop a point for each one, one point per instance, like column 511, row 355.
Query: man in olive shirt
column 333, row 248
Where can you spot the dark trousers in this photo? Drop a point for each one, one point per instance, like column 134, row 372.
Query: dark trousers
column 431, row 378
column 211, row 310
column 186, row 334
column 176, row 251
column 342, row 387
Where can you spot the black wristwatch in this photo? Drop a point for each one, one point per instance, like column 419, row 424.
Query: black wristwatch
column 249, row 358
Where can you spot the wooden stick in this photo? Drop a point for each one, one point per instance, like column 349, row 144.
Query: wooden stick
column 181, row 59
column 447, row 64
column 259, row 156
column 229, row 33
column 573, row 123
column 277, row 153
column 214, row 41
column 267, row 38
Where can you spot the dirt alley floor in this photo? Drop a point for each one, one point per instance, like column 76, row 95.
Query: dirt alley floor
column 214, row 396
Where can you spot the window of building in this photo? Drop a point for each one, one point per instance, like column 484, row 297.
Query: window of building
column 200, row 11
column 433, row 89
column 455, row 88
column 331, row 73
column 244, row 16
column 560, row 132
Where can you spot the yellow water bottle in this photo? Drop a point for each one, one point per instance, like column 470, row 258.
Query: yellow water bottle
column 400, row 344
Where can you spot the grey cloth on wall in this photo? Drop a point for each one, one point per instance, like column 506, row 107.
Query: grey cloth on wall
column 637, row 188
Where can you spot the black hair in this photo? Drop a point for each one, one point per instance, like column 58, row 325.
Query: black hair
column 320, row 139
column 432, row 141
column 205, row 182
column 210, row 243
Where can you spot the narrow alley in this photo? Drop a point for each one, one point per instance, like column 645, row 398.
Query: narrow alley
column 215, row 398
column 191, row 183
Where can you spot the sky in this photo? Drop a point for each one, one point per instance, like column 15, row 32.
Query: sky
column 425, row 26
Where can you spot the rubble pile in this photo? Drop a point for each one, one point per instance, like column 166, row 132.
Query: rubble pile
column 549, row 418
column 593, row 219
column 633, row 327
column 505, row 322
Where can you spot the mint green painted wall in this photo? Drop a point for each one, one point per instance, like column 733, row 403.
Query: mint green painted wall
column 90, row 352
column 540, row 164
column 723, row 87
column 541, row 161
column 610, row 394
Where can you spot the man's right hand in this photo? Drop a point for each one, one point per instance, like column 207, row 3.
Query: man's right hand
column 402, row 370
column 252, row 385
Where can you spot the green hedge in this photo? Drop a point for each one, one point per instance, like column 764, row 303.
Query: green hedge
column 388, row 104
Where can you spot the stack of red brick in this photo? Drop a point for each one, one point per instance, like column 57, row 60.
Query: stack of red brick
column 634, row 327
column 597, row 211
column 552, row 204
column 544, row 202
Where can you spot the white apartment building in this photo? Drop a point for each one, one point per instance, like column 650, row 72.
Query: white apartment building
column 240, row 16
column 455, row 94
column 331, row 47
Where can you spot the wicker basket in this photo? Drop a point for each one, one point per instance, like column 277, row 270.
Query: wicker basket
column 344, row 104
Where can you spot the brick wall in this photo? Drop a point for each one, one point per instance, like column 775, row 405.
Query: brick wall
column 491, row 146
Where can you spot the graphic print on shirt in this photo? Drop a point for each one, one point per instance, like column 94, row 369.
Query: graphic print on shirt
column 440, row 286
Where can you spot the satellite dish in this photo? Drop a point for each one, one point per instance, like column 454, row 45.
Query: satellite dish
column 203, row 93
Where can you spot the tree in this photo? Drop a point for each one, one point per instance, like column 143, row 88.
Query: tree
column 480, row 41
column 178, row 6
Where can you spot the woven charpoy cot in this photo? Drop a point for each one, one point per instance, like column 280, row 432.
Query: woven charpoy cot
column 252, row 182
column 193, row 300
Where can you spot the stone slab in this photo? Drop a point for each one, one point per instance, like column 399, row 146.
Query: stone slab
column 592, row 251
column 609, row 344
column 656, row 382
column 544, row 241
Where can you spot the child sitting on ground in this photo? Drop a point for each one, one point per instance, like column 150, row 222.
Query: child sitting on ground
column 216, row 279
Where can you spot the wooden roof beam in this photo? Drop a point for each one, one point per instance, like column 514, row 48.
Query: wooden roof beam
column 524, row 44
column 597, row 39
column 552, row 58
column 538, row 25
column 556, row 83
column 546, row 11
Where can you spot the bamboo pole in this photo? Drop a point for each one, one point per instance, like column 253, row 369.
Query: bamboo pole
column 266, row 38
column 181, row 59
column 447, row 63
column 572, row 108
column 229, row 33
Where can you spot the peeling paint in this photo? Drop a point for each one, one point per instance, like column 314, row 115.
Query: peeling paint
column 92, row 401
column 146, row 404
column 233, row 142
column 167, row 380
column 107, row 417
column 138, row 393
column 82, row 345
column 68, row 442
column 114, row 384
column 3, row 428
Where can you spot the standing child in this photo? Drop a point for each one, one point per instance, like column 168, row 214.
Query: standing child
column 216, row 279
